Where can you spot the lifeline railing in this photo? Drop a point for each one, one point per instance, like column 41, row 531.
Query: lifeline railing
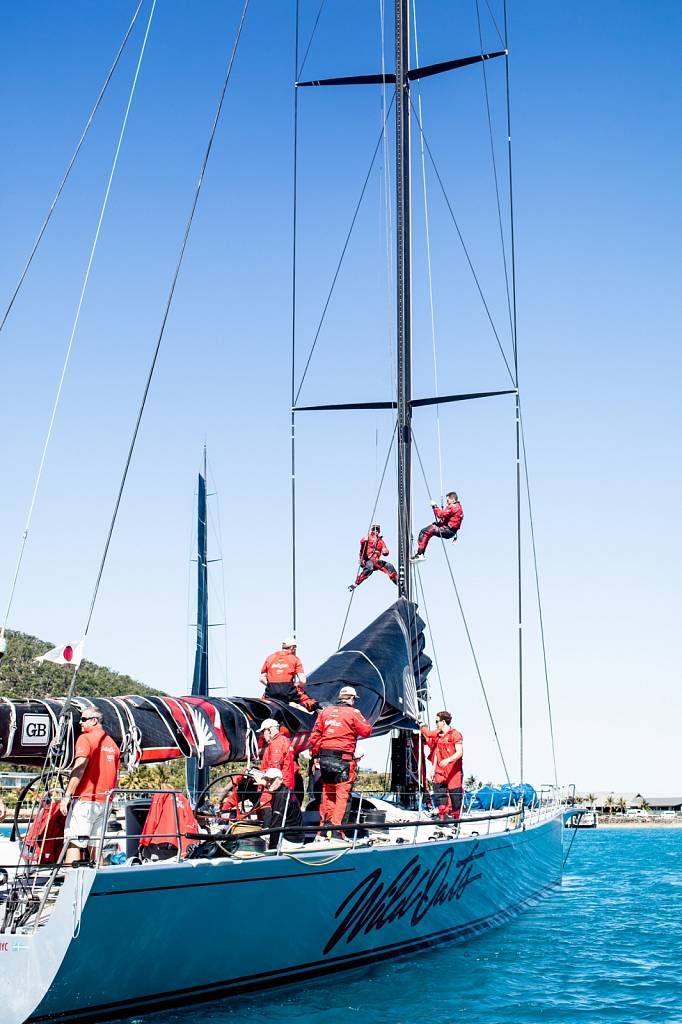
column 108, row 838
column 513, row 815
column 30, row 894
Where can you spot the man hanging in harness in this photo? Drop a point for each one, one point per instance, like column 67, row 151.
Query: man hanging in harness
column 446, row 524
column 283, row 676
column 372, row 548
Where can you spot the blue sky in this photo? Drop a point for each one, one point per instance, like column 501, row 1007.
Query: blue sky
column 596, row 103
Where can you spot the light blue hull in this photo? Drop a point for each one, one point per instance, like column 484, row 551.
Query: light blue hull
column 167, row 934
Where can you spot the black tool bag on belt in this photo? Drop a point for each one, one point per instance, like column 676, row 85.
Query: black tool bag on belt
column 334, row 767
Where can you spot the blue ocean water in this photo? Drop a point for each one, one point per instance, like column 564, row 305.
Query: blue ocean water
column 605, row 947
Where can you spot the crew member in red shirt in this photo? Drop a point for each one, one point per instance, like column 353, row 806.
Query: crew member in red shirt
column 278, row 753
column 283, row 675
column 372, row 549
column 94, row 774
column 446, row 524
column 333, row 740
column 446, row 745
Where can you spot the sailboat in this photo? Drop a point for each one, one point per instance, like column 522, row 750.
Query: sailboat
column 101, row 940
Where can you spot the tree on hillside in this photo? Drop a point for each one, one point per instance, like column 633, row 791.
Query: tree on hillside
column 22, row 677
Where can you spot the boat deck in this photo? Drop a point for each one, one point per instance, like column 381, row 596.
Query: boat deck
column 29, row 891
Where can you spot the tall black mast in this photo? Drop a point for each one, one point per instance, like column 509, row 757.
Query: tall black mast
column 404, row 762
column 198, row 778
column 404, row 276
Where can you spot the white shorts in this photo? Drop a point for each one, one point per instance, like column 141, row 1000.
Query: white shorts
column 84, row 822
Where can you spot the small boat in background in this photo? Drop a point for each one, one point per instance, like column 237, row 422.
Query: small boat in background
column 582, row 817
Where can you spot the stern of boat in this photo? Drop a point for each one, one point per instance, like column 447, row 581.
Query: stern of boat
column 38, row 921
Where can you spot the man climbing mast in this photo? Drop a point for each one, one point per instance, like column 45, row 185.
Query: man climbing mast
column 372, row 549
column 446, row 524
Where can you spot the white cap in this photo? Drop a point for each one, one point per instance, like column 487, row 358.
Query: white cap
column 348, row 691
column 289, row 641
column 269, row 723
column 272, row 773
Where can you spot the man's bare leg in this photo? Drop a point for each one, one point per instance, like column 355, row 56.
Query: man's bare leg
column 73, row 854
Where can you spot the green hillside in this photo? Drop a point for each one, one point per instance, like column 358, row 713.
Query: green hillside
column 21, row 676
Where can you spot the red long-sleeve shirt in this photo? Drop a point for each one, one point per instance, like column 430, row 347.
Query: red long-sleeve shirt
column 279, row 753
column 282, row 667
column 339, row 727
column 442, row 746
column 372, row 547
column 450, row 516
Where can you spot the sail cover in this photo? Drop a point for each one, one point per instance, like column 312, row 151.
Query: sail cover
column 385, row 663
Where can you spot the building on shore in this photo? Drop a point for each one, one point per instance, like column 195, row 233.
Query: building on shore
column 614, row 802
column 15, row 780
column 665, row 803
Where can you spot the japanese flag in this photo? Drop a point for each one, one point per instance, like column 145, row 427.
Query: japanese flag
column 65, row 655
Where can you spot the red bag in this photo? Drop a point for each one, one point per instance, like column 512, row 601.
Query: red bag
column 45, row 837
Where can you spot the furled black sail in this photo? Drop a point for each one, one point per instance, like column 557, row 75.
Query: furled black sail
column 385, row 663
column 387, row 666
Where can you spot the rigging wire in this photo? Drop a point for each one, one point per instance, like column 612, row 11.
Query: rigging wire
column 299, row 71
column 157, row 348
column 464, row 248
column 428, row 254
column 343, row 253
column 497, row 27
column 67, row 357
column 466, row 627
column 494, row 165
column 371, row 520
column 518, row 396
column 218, row 526
column 293, row 317
column 385, row 188
column 570, row 847
column 540, row 615
column 422, row 603
column 72, row 161
column 512, row 231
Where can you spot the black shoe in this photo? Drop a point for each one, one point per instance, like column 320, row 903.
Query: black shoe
column 352, row 587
